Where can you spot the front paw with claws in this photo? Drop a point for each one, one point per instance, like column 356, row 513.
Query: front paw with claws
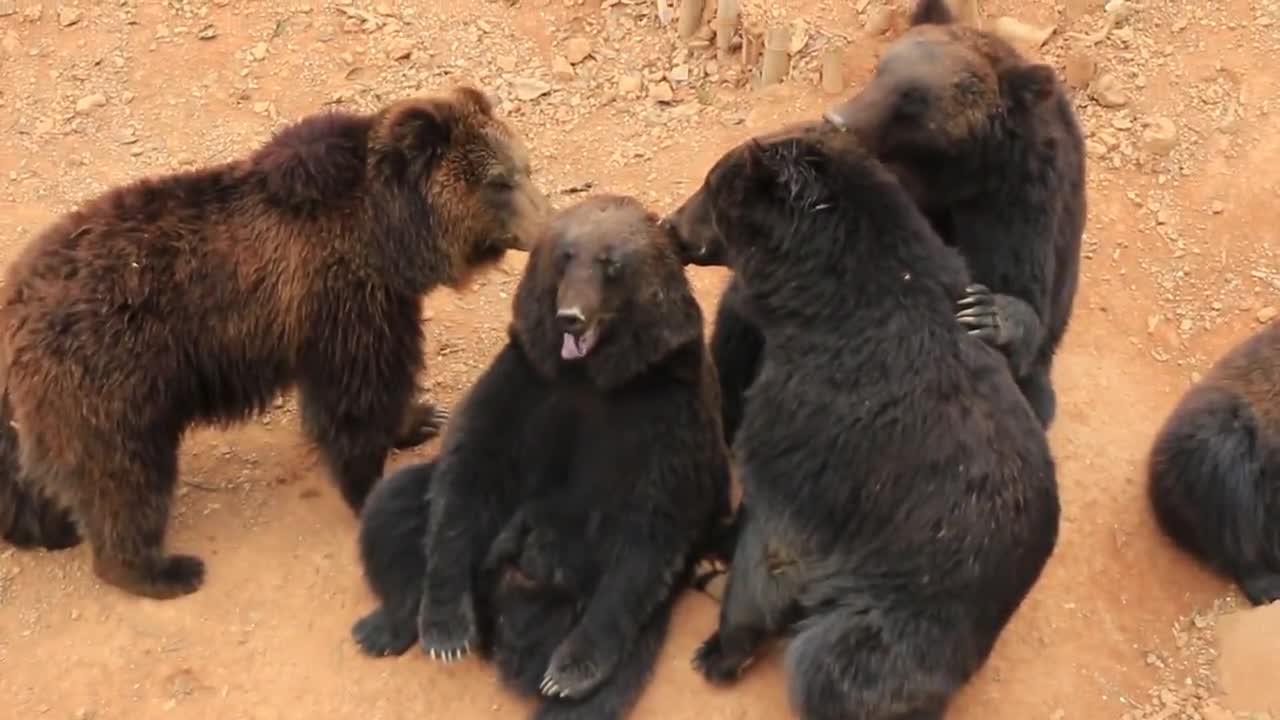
column 448, row 633
column 575, row 671
column 422, row 421
column 980, row 315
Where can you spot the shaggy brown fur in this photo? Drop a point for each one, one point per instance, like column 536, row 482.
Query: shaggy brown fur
column 196, row 297
column 1214, row 471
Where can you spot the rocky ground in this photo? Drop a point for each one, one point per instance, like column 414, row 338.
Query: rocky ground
column 1182, row 108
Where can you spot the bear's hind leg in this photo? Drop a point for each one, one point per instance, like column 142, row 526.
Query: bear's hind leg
column 123, row 501
column 393, row 530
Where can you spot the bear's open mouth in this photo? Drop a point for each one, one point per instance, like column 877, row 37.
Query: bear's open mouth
column 576, row 347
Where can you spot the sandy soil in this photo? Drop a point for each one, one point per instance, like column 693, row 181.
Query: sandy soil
column 1183, row 117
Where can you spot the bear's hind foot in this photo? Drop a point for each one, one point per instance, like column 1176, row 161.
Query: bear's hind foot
column 378, row 636
column 165, row 578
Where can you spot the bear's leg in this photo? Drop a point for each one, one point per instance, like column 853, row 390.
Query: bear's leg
column 1005, row 322
column 1037, row 388
column 423, row 421
column 754, row 607
column 737, row 347
column 393, row 528
column 123, row 502
column 1261, row 588
column 617, row 694
column 30, row 519
column 353, row 426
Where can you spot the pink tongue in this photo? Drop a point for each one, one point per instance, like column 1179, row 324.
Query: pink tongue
column 569, row 349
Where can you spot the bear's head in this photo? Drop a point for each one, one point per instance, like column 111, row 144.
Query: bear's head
column 465, row 176
column 790, row 211
column 604, row 290
column 943, row 98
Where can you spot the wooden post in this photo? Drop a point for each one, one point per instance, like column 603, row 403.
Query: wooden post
column 690, row 17
column 777, row 55
column 726, row 23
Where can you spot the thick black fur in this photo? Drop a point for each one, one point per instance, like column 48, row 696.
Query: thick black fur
column 570, row 496
column 900, row 498
column 1003, row 182
column 1214, row 469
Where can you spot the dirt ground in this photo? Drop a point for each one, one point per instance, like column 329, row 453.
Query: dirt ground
column 1182, row 110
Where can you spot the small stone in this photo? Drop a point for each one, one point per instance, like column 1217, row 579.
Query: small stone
column 11, row 44
column 1016, row 32
column 258, row 52
column 679, row 73
column 163, row 32
column 89, row 103
column 1106, row 91
column 1080, row 69
column 1216, row 207
column 261, row 107
column 1267, row 314
column 33, row 13
column 562, row 69
column 400, row 49
column 506, row 63
column 630, row 83
column 661, row 92
column 68, row 16
column 878, row 20
column 1160, row 136
column 577, row 49
column 530, row 88
column 8, row 7
column 208, row 32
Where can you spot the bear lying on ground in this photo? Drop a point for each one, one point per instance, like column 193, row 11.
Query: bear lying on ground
column 991, row 149
column 1214, row 470
column 196, row 297
column 577, row 480
column 900, row 498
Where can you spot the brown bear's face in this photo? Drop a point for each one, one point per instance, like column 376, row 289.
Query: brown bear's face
column 942, row 95
column 605, row 288
column 473, row 173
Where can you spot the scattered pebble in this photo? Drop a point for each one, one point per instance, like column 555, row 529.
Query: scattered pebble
column 68, row 15
column 89, row 103
column 1106, row 91
column 1160, row 136
column 530, row 88
column 1267, row 314
column 577, row 49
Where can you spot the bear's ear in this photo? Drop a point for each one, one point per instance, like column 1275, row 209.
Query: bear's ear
column 932, row 12
column 473, row 99
column 1028, row 85
column 419, row 129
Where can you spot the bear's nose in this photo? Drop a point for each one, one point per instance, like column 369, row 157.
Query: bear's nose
column 571, row 321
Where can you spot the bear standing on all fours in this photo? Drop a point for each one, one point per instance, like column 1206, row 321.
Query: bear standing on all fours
column 991, row 149
column 577, row 480
column 899, row 494
column 196, row 297
column 1214, row 470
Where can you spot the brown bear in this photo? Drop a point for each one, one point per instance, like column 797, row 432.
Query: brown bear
column 1214, row 470
column 576, row 481
column 990, row 148
column 195, row 297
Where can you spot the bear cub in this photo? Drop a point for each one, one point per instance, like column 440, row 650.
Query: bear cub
column 899, row 496
column 1214, row 468
column 576, row 482
column 195, row 297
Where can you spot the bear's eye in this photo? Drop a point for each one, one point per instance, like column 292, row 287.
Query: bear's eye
column 914, row 102
column 501, row 182
column 612, row 268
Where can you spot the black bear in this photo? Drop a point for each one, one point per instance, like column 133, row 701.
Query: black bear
column 195, row 297
column 1214, row 470
column 577, row 480
column 899, row 496
column 991, row 149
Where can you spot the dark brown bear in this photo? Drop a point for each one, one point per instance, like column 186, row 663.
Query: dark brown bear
column 990, row 148
column 899, row 497
column 1214, row 471
column 195, row 297
column 576, row 481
